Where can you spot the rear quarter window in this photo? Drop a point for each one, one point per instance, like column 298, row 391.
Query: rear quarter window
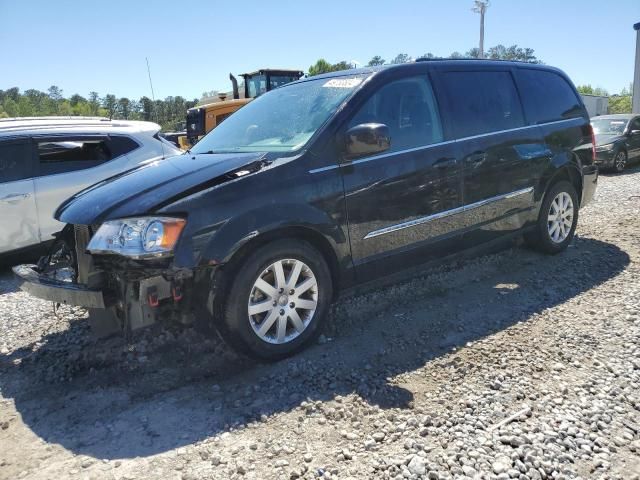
column 547, row 96
column 68, row 154
column 15, row 161
column 482, row 102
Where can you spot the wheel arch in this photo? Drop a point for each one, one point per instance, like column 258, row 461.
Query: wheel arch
column 570, row 172
column 294, row 232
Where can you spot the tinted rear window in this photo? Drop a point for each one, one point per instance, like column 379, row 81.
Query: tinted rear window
column 68, row 154
column 547, row 96
column 15, row 161
column 482, row 102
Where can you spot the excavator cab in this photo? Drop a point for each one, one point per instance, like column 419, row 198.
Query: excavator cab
column 204, row 118
column 262, row 81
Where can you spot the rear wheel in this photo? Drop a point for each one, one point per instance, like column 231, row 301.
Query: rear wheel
column 278, row 300
column 557, row 221
column 620, row 161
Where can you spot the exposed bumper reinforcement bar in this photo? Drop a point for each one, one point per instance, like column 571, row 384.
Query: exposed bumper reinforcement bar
column 48, row 288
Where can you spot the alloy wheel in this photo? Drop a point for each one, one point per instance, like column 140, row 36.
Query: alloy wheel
column 560, row 218
column 620, row 161
column 283, row 301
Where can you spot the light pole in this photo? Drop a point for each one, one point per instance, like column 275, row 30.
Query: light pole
column 481, row 7
column 635, row 102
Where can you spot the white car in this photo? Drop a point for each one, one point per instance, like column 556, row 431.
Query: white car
column 44, row 161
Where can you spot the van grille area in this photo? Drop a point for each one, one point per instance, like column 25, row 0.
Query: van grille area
column 82, row 235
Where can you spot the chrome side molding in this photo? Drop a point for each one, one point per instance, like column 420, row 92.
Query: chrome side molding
column 447, row 213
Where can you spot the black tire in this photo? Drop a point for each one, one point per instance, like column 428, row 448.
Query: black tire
column 235, row 325
column 540, row 239
column 620, row 161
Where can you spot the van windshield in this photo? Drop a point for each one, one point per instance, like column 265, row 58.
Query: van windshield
column 282, row 120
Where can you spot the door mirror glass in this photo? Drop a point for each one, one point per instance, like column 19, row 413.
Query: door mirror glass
column 366, row 139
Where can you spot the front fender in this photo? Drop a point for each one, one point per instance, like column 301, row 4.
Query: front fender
column 223, row 242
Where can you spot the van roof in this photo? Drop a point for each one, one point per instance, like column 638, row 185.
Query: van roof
column 53, row 125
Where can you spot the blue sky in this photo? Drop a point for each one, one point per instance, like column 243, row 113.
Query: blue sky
column 193, row 45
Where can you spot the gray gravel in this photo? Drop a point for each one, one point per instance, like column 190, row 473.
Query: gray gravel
column 511, row 365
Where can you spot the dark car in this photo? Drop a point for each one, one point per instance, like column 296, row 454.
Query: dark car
column 321, row 185
column 617, row 140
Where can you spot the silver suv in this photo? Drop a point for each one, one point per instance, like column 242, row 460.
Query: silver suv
column 44, row 161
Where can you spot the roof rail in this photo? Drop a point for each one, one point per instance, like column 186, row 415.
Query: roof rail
column 468, row 59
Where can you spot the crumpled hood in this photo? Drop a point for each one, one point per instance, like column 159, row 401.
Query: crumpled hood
column 140, row 190
column 603, row 139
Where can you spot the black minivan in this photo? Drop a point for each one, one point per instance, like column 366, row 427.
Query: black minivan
column 320, row 185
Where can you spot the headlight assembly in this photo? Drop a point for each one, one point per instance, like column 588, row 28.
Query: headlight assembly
column 605, row 148
column 139, row 237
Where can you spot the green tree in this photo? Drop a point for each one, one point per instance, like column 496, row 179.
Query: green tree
column 55, row 96
column 64, row 107
column 25, row 107
column 427, row 55
column 39, row 100
column 585, row 89
column 11, row 107
column 473, row 53
column 124, row 108
column 620, row 104
column 343, row 65
column 147, row 108
column 76, row 100
column 110, row 104
column 12, row 93
column 514, row 53
column 401, row 58
column 94, row 103
column 321, row 66
column 375, row 61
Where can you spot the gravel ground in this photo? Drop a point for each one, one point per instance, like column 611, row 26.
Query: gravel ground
column 512, row 365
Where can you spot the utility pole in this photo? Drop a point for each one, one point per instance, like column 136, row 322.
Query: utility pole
column 481, row 7
column 635, row 101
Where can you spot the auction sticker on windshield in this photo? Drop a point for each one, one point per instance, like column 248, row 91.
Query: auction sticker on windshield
column 343, row 83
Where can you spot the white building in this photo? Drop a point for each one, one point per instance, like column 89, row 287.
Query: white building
column 596, row 104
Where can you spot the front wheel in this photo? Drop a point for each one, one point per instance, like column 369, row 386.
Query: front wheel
column 620, row 161
column 557, row 220
column 278, row 300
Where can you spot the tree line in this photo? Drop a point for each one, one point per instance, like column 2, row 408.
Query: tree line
column 618, row 103
column 169, row 113
column 499, row 52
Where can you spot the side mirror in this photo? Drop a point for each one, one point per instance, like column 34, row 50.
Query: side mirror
column 366, row 139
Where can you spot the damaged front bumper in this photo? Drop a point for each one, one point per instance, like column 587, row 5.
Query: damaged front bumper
column 59, row 291
column 120, row 294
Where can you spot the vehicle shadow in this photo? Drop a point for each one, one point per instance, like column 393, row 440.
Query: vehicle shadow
column 8, row 282
column 631, row 168
column 180, row 398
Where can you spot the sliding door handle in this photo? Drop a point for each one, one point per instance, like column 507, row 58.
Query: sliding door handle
column 445, row 162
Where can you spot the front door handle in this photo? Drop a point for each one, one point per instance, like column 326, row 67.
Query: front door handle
column 15, row 197
column 445, row 162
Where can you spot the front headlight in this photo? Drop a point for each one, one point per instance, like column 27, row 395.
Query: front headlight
column 605, row 148
column 139, row 237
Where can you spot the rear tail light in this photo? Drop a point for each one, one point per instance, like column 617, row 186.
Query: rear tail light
column 593, row 144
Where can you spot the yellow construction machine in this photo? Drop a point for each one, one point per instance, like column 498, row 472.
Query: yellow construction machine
column 204, row 118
